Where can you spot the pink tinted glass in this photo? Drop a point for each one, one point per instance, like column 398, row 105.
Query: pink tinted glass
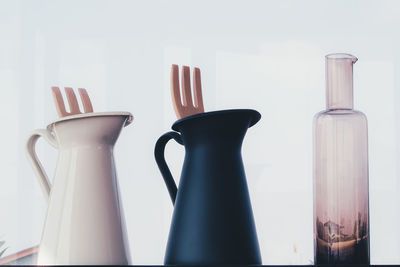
column 341, row 210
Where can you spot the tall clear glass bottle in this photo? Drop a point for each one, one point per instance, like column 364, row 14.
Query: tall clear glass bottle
column 341, row 210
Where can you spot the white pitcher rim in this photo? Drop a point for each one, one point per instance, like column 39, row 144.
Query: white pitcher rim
column 96, row 114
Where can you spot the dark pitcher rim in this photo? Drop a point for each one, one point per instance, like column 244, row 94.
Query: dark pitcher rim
column 255, row 116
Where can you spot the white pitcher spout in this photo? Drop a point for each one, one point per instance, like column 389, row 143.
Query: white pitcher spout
column 90, row 128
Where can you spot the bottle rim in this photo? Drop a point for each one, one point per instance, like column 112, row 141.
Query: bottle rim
column 339, row 56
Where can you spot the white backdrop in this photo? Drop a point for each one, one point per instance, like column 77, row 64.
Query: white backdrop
column 266, row 55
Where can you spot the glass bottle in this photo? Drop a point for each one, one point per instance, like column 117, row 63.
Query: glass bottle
column 341, row 210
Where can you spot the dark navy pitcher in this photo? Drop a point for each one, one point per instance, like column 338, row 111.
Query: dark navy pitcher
column 213, row 220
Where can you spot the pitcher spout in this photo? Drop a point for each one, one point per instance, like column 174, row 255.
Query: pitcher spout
column 90, row 128
column 216, row 128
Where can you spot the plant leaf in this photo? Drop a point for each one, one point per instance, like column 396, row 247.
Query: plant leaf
column 2, row 252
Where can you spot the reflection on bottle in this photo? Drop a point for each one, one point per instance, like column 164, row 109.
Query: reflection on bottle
column 341, row 213
column 335, row 246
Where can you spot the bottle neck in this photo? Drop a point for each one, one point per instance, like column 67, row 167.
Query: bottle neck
column 339, row 82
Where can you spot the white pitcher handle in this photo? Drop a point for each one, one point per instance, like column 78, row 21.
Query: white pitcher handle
column 33, row 159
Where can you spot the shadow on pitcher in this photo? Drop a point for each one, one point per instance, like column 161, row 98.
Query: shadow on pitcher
column 213, row 220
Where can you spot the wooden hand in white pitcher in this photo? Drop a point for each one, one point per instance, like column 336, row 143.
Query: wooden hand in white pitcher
column 72, row 101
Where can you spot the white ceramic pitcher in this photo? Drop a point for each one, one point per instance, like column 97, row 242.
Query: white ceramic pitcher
column 84, row 222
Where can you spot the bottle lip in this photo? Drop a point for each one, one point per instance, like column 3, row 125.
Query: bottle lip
column 339, row 56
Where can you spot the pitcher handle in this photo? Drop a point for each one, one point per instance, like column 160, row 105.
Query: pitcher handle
column 33, row 159
column 162, row 165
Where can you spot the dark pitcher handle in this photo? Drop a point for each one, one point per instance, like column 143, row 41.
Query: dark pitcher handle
column 162, row 165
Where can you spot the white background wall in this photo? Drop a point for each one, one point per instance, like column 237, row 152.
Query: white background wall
column 266, row 55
